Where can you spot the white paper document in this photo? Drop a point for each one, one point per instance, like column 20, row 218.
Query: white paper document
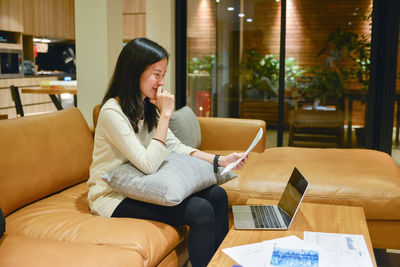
column 285, row 251
column 253, row 144
column 316, row 250
column 340, row 249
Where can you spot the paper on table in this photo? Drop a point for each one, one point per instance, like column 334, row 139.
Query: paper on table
column 340, row 249
column 260, row 254
column 253, row 144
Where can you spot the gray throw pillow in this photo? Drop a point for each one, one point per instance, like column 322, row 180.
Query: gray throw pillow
column 186, row 127
column 178, row 177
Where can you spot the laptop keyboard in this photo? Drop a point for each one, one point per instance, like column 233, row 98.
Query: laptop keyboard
column 265, row 217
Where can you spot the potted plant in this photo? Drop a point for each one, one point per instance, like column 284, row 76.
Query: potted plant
column 326, row 83
column 324, row 86
column 262, row 74
column 201, row 65
column 260, row 79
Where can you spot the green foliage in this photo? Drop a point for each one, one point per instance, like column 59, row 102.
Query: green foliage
column 362, row 61
column 328, row 82
column 264, row 73
column 325, row 84
column 293, row 73
column 201, row 65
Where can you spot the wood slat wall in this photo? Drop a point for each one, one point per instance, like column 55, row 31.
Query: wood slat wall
column 134, row 19
column 134, row 6
column 201, row 28
column 52, row 18
column 11, row 17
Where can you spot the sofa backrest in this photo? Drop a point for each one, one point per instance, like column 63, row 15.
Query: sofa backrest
column 41, row 155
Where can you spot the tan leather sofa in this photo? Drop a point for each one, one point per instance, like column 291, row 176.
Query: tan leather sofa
column 45, row 161
column 44, row 166
column 350, row 177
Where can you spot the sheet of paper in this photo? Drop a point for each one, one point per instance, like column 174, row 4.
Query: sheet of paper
column 248, row 255
column 340, row 249
column 261, row 254
column 294, row 253
column 253, row 144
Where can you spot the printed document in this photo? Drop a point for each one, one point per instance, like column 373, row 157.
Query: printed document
column 340, row 249
column 285, row 251
column 253, row 144
column 316, row 250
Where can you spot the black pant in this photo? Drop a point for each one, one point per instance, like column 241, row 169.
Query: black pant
column 206, row 212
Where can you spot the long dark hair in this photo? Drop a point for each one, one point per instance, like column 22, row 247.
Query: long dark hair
column 133, row 60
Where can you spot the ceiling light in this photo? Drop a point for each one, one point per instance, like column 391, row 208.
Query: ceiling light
column 241, row 15
column 249, row 20
column 230, row 8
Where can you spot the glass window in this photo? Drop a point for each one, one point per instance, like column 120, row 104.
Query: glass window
column 233, row 66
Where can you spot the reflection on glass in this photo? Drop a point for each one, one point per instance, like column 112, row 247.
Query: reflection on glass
column 201, row 40
column 233, row 65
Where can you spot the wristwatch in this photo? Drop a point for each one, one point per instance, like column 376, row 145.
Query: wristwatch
column 216, row 163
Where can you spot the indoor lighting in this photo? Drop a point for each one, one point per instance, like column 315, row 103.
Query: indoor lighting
column 41, row 40
column 249, row 20
column 241, row 15
column 230, row 8
column 217, row 1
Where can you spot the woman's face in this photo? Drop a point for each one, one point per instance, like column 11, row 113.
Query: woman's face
column 152, row 78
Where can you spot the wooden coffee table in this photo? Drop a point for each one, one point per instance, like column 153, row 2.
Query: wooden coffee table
column 310, row 217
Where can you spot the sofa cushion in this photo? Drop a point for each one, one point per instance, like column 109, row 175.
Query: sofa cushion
column 42, row 154
column 66, row 217
column 185, row 127
column 178, row 177
column 35, row 252
column 352, row 177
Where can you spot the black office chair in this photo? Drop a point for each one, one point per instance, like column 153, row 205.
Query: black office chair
column 17, row 100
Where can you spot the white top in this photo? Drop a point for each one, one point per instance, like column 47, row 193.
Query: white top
column 115, row 143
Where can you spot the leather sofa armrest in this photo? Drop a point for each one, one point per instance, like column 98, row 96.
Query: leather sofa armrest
column 230, row 133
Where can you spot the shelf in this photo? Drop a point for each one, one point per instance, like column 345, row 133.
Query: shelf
column 10, row 46
column 14, row 40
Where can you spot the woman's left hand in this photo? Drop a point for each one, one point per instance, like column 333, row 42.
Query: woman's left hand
column 228, row 159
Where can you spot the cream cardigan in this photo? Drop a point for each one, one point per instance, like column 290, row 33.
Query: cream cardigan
column 116, row 143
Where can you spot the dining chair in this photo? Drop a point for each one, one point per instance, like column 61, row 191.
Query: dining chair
column 17, row 100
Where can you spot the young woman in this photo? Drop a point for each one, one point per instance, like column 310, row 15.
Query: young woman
column 133, row 126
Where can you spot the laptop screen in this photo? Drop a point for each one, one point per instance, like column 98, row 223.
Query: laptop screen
column 293, row 194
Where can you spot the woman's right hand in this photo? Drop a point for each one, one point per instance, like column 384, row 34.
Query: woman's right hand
column 165, row 101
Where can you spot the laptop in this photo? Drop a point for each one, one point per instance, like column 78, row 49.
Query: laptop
column 273, row 217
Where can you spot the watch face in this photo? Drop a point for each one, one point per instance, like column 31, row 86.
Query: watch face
column 216, row 163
